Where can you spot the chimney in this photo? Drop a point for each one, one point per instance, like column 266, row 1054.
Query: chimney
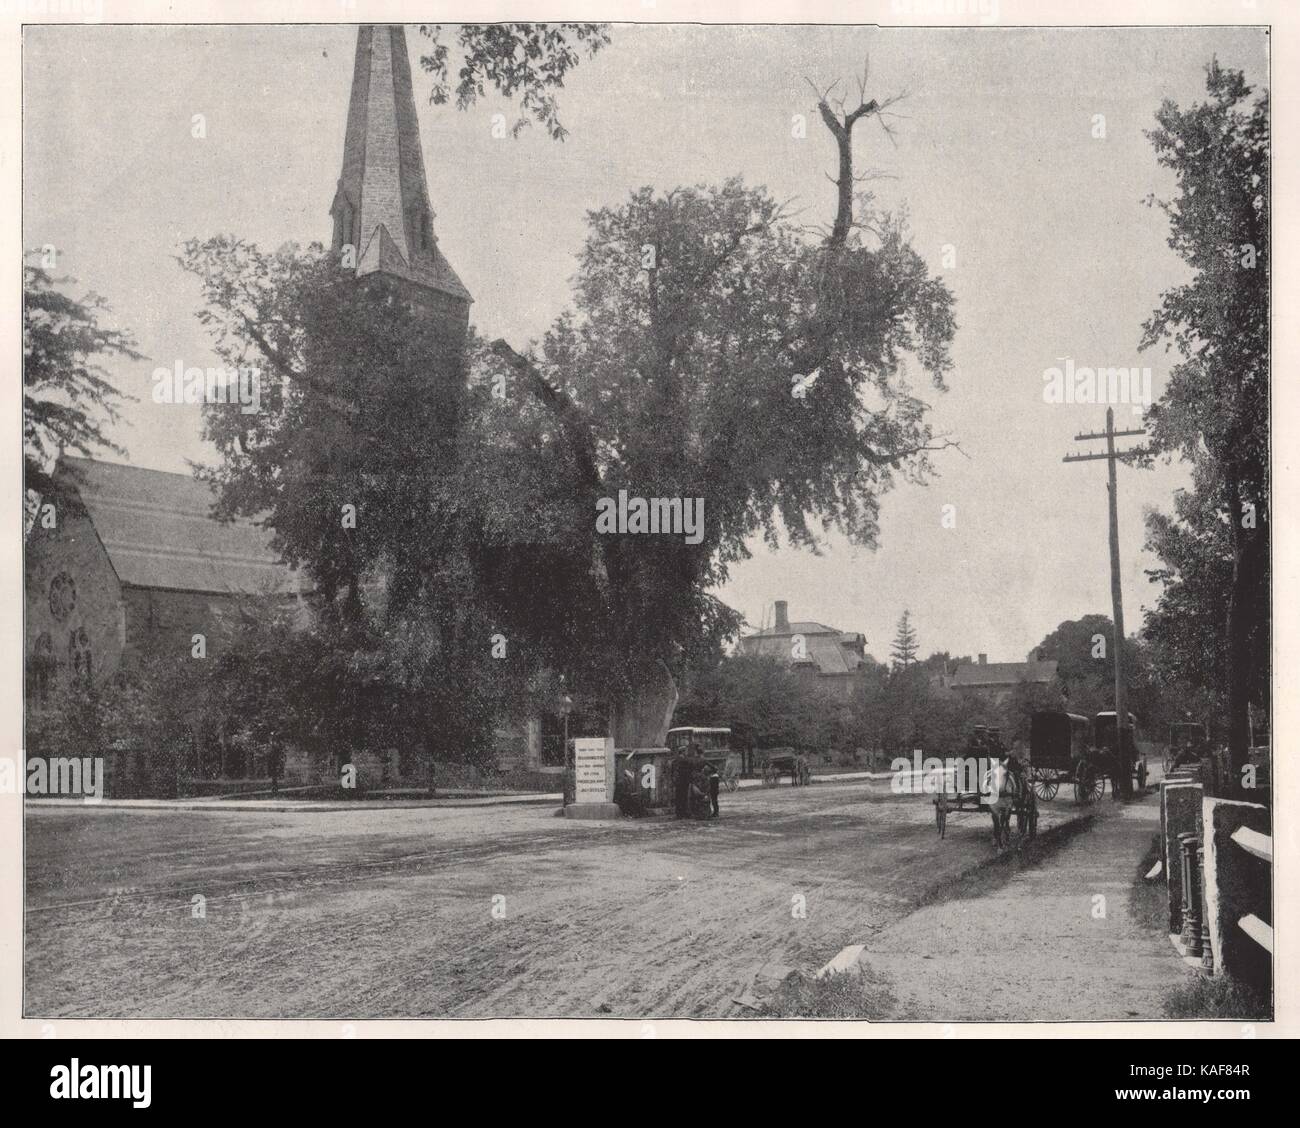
column 782, row 617
column 984, row 659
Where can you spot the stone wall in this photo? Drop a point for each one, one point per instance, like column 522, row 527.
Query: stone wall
column 163, row 622
column 73, row 600
column 1236, row 884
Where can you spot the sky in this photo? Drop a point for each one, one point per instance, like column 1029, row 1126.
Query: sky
column 1037, row 224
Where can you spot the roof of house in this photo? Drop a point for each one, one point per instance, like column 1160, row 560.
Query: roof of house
column 828, row 649
column 804, row 628
column 159, row 532
column 1002, row 673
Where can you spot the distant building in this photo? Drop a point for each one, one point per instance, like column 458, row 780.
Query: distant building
column 993, row 682
column 833, row 657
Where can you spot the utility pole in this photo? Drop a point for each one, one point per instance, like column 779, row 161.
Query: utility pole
column 1116, row 592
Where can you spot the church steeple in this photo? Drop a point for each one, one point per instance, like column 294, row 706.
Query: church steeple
column 381, row 206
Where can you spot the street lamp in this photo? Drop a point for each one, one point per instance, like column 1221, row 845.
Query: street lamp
column 566, row 707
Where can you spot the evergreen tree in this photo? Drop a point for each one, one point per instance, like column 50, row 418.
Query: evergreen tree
column 905, row 647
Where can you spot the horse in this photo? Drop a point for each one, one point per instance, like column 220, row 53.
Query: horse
column 1004, row 794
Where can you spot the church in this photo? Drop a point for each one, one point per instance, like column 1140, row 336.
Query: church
column 138, row 566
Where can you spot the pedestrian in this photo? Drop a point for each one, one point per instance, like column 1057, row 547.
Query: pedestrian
column 713, row 788
column 699, row 795
column 681, row 784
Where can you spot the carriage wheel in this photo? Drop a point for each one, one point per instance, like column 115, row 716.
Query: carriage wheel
column 1088, row 785
column 1045, row 786
column 941, row 813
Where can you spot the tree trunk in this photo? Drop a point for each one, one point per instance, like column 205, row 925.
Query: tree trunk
column 641, row 719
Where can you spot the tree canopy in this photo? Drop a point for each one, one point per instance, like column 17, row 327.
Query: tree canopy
column 68, row 397
column 695, row 310
column 1215, row 407
column 528, row 61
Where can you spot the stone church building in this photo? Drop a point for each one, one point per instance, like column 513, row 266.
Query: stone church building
column 139, row 565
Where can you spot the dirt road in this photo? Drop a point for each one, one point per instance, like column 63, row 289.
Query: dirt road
column 473, row 912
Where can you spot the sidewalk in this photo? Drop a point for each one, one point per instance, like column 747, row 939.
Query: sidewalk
column 452, row 798
column 1039, row 947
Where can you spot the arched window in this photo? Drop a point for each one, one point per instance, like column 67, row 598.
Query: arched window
column 344, row 218
column 40, row 668
column 79, row 653
column 63, row 596
column 421, row 226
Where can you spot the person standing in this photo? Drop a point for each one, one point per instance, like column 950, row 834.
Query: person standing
column 713, row 787
column 681, row 784
column 698, row 800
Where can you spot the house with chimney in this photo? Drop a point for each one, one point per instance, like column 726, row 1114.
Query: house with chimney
column 992, row 683
column 831, row 657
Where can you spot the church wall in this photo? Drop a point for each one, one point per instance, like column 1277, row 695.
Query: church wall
column 73, row 598
column 163, row 622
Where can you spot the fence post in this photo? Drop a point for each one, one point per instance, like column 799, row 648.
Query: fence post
column 1191, row 932
column 1180, row 808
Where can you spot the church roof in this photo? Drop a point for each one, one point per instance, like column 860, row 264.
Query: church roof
column 159, row 532
column 383, row 189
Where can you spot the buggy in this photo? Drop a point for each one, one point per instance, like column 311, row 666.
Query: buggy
column 785, row 761
column 715, row 743
column 1001, row 794
column 1064, row 748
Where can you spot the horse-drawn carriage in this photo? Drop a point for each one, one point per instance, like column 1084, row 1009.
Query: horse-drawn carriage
column 1065, row 748
column 1188, row 743
column 987, row 781
column 785, row 761
column 715, row 744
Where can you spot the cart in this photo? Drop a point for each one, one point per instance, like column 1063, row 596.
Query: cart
column 785, row 761
column 1065, row 749
column 1060, row 753
column 1105, row 747
column 1002, row 797
column 715, row 744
